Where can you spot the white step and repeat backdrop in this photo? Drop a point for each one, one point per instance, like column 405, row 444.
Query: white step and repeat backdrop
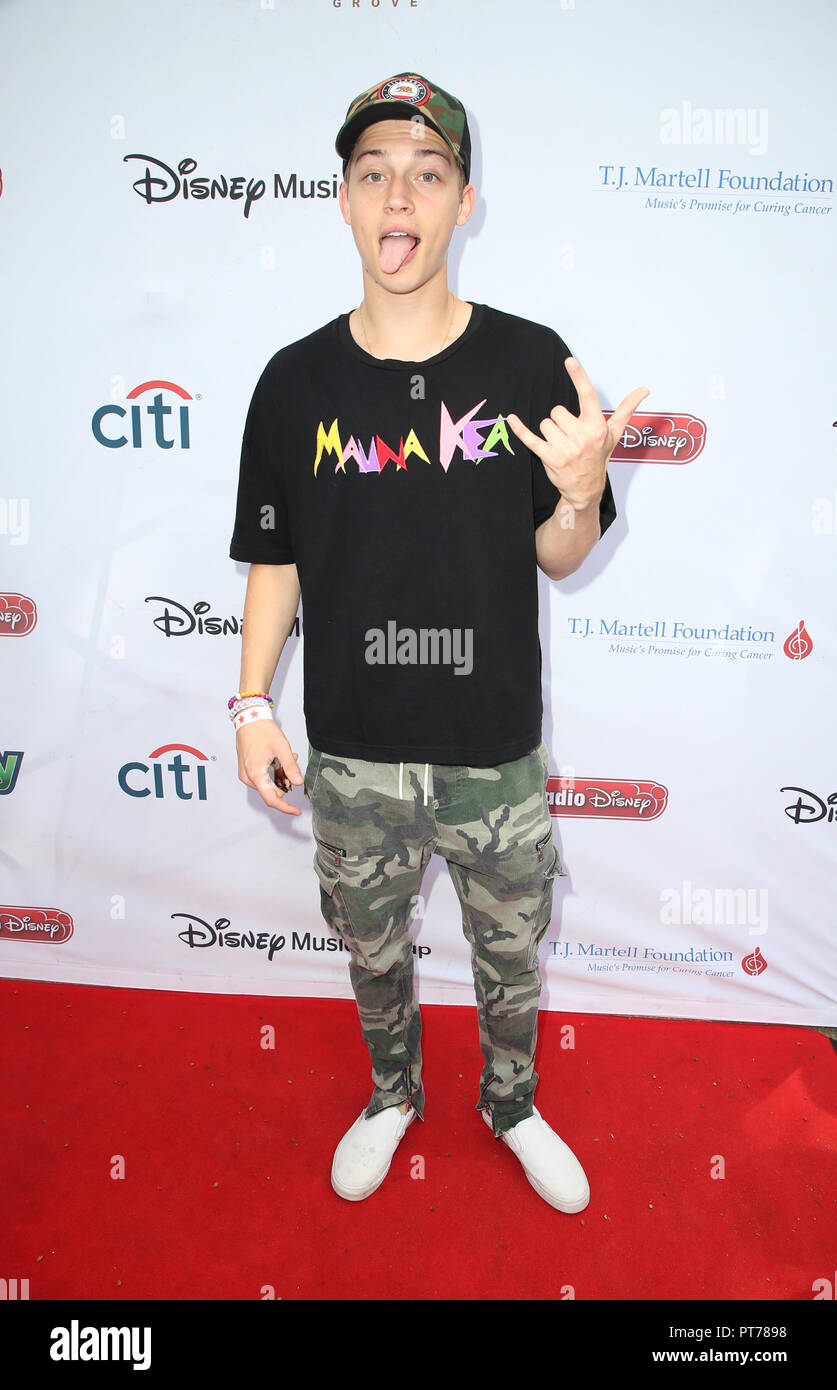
column 656, row 182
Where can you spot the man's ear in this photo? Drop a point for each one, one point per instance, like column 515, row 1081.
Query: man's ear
column 343, row 199
column 467, row 199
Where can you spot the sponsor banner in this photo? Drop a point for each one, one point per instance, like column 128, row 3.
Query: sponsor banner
column 688, row 664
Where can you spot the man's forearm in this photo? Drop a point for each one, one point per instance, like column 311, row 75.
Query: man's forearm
column 270, row 607
column 565, row 539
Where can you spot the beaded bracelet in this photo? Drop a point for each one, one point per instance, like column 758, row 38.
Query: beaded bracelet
column 247, row 695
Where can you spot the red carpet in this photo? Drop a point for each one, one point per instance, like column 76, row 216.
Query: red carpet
column 227, row 1152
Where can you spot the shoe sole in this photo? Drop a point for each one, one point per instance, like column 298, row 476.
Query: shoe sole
column 358, row 1196
column 569, row 1207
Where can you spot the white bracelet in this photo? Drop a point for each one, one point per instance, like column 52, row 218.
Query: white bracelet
column 252, row 712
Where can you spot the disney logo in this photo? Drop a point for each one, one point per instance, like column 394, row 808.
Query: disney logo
column 599, row 797
column 805, row 812
column 658, row 438
column 177, row 620
column 168, row 183
column 201, row 934
column 13, row 924
column 633, row 438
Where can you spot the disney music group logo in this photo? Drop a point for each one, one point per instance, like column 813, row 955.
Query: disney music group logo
column 809, row 807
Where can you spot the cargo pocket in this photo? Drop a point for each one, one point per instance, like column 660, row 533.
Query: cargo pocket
column 334, row 909
column 543, row 915
column 546, row 851
column 543, row 845
column 329, row 876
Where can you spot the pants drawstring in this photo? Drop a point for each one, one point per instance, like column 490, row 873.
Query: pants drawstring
column 401, row 779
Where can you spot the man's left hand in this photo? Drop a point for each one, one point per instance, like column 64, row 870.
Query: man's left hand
column 575, row 451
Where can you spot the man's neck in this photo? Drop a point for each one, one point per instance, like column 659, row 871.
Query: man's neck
column 408, row 327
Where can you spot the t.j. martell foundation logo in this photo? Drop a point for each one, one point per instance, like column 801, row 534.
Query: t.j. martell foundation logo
column 605, row 798
column 754, row 963
column 144, row 431
column 799, row 643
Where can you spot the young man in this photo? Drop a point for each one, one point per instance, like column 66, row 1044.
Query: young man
column 405, row 470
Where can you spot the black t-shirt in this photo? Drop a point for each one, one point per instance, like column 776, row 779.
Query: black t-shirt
column 409, row 508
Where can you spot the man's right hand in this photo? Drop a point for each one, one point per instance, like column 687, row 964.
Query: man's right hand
column 257, row 744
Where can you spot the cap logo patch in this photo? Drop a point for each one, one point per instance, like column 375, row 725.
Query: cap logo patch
column 405, row 89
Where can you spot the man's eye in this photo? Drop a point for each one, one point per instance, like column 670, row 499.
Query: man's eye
column 376, row 176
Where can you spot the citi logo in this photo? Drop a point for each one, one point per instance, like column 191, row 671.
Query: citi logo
column 75, row 1343
column 178, row 777
column 144, row 430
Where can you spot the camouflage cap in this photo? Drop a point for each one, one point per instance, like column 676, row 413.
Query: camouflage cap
column 406, row 97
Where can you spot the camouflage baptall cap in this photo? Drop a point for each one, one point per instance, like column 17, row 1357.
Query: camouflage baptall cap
column 403, row 97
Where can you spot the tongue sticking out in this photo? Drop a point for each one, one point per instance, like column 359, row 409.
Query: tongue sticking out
column 394, row 252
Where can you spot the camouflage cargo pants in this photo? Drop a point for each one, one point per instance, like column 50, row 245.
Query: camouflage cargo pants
column 376, row 826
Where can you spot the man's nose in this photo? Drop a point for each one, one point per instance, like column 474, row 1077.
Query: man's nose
column 399, row 191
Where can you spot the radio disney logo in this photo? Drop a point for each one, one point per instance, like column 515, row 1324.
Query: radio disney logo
column 18, row 615
column 47, row 924
column 155, row 408
column 605, row 798
column 170, row 778
column 808, row 807
column 653, row 438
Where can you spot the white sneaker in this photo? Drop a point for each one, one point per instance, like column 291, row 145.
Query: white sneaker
column 364, row 1154
column 550, row 1165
